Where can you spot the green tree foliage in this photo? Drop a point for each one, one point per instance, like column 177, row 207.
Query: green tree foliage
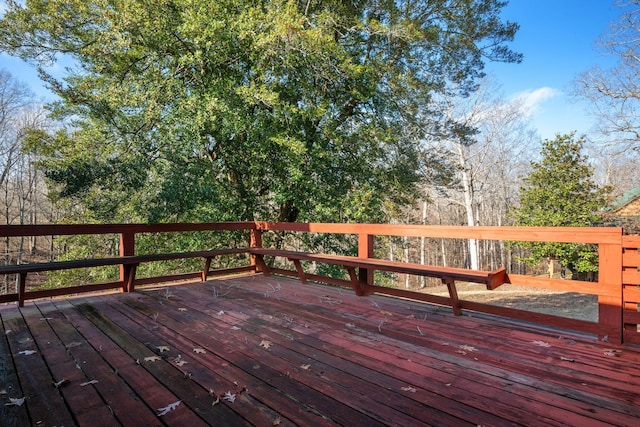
column 559, row 192
column 189, row 110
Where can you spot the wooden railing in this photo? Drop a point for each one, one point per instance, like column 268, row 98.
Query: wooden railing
column 618, row 316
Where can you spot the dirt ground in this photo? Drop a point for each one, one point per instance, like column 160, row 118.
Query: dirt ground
column 567, row 304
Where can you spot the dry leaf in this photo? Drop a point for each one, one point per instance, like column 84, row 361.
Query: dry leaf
column 386, row 313
column 162, row 348
column 46, row 318
column 229, row 397
column 541, row 343
column 409, row 389
column 8, row 331
column 305, row 367
column 181, row 362
column 265, row 344
column 61, row 383
column 215, row 402
column 182, row 309
column 235, row 328
column 73, row 344
column 152, row 358
column 221, row 312
column 566, row 359
column 89, row 383
column 468, row 348
column 15, row 402
column 613, row 352
column 276, row 422
column 27, row 352
column 199, row 350
column 170, row 407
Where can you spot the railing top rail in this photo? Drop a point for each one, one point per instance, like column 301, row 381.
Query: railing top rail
column 595, row 235
column 72, row 229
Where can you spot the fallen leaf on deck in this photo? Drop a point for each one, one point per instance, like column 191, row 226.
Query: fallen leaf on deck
column 386, row 313
column 265, row 344
column 46, row 318
column 73, row 344
column 182, row 309
column 468, row 348
column 89, row 383
column 8, row 331
column 27, row 352
column 170, row 407
column 15, row 402
column 152, row 358
column 229, row 397
column 276, row 422
column 181, row 362
column 409, row 389
column 199, row 350
column 614, row 353
column 541, row 343
column 215, row 402
column 349, row 325
column 566, row 359
column 61, row 383
column 305, row 367
column 162, row 348
column 221, row 312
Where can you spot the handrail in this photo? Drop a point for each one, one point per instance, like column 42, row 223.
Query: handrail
column 609, row 240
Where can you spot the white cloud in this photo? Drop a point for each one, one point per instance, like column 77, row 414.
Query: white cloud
column 532, row 99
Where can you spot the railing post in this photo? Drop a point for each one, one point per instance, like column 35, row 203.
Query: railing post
column 127, row 248
column 255, row 242
column 365, row 250
column 610, row 308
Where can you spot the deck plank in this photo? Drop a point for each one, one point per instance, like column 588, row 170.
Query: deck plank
column 333, row 359
column 328, row 380
column 447, row 376
column 44, row 403
column 147, row 388
column 188, row 393
column 11, row 415
column 247, row 356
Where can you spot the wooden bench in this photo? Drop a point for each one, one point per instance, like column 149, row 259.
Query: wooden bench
column 448, row 275
column 130, row 263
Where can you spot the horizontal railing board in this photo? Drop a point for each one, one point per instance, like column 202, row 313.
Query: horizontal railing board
column 604, row 235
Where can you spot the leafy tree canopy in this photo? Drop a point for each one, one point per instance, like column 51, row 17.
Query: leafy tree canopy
column 559, row 192
column 241, row 110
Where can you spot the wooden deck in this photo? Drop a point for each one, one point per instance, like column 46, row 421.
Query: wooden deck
column 270, row 351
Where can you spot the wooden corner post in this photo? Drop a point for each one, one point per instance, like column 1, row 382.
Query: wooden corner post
column 365, row 250
column 610, row 306
column 127, row 271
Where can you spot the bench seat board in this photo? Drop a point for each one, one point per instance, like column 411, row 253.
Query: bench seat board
column 448, row 275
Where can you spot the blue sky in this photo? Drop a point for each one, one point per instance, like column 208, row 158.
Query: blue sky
column 558, row 41
column 556, row 37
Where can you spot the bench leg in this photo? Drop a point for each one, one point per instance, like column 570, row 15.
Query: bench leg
column 453, row 294
column 298, row 264
column 207, row 266
column 131, row 277
column 356, row 284
column 22, row 288
column 262, row 265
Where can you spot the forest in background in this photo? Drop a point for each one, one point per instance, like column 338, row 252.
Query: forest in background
column 292, row 111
